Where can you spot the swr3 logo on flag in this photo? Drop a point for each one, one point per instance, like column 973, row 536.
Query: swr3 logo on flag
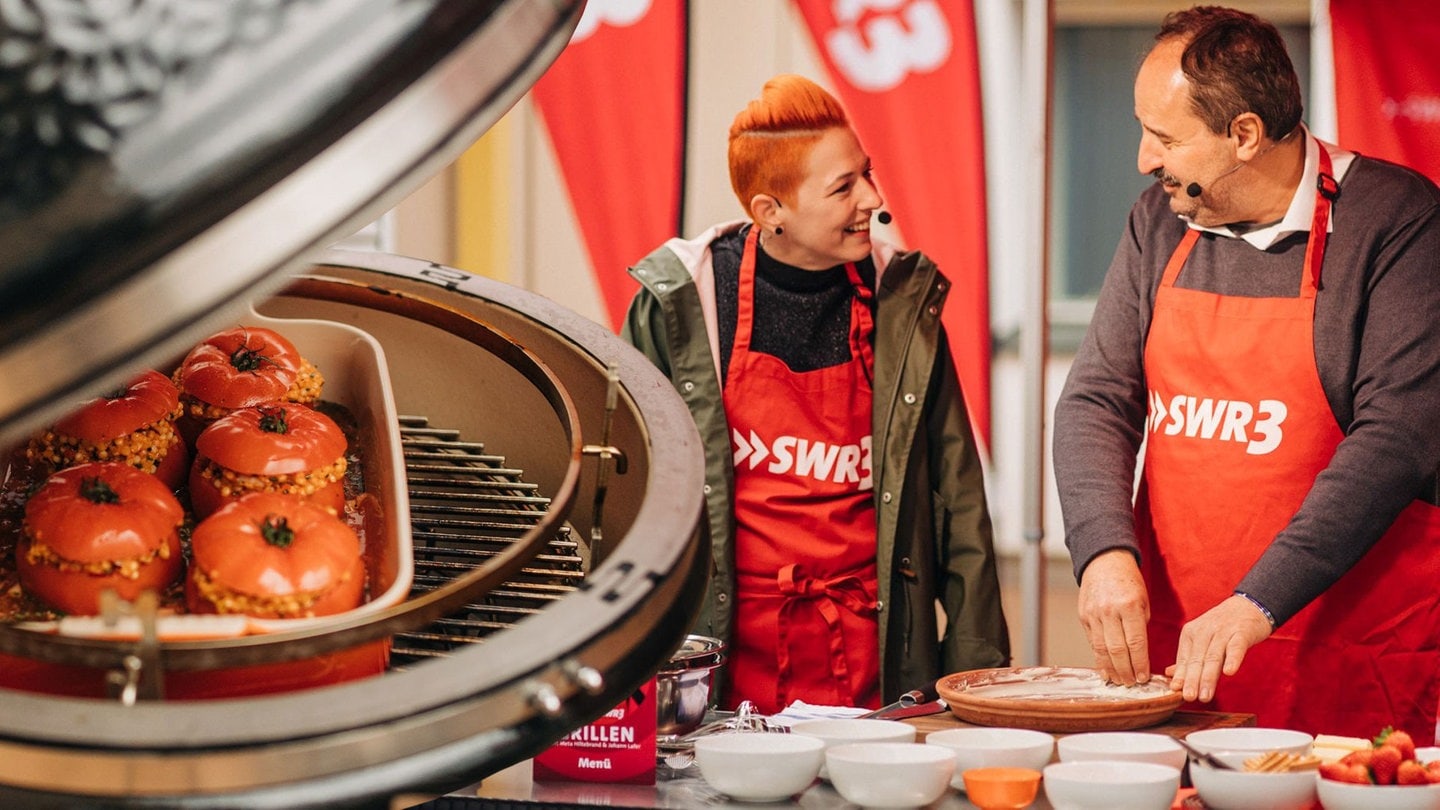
column 619, row 13
column 876, row 53
column 908, row 73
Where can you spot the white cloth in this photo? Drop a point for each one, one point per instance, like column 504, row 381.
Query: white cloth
column 800, row 710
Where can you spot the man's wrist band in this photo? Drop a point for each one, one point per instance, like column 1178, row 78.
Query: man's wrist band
column 1269, row 617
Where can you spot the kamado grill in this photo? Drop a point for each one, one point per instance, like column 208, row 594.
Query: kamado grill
column 164, row 167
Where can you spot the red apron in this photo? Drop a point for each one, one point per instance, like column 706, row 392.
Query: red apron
column 1239, row 427
column 805, row 612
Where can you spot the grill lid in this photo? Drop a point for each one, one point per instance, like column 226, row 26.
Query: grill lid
column 163, row 161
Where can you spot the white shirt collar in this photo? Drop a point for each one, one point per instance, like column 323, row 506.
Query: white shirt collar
column 1302, row 204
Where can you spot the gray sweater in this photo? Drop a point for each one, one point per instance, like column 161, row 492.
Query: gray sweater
column 1377, row 346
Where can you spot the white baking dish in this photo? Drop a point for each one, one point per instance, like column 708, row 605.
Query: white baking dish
column 356, row 378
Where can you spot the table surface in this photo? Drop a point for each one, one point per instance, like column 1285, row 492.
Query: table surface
column 685, row 788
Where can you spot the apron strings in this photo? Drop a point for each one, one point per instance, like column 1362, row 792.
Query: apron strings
column 796, row 588
column 862, row 324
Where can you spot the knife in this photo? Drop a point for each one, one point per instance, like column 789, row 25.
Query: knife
column 915, row 703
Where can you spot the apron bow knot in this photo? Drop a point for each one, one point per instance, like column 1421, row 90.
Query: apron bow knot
column 825, row 594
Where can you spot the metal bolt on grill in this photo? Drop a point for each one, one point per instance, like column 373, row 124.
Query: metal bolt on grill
column 467, row 506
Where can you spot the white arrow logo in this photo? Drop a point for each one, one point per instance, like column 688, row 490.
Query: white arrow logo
column 755, row 449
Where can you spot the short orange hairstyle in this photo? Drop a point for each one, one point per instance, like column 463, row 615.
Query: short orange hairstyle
column 771, row 138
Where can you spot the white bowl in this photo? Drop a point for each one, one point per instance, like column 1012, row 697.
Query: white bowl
column 1108, row 785
column 1427, row 753
column 994, row 748
column 842, row 730
column 1250, row 740
column 1122, row 746
column 890, row 774
column 1346, row 796
column 1249, row 790
column 759, row 767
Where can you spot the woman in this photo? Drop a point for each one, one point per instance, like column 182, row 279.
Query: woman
column 842, row 479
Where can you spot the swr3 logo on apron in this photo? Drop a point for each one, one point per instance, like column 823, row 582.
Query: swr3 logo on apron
column 1256, row 425
column 818, row 460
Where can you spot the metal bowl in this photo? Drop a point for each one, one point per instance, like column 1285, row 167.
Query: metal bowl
column 682, row 686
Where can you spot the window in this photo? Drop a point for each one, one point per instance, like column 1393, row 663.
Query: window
column 1094, row 181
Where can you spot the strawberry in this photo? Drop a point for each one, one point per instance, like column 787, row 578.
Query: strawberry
column 1384, row 762
column 1342, row 772
column 1433, row 772
column 1400, row 739
column 1411, row 772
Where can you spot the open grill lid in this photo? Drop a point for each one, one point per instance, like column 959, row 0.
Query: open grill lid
column 164, row 161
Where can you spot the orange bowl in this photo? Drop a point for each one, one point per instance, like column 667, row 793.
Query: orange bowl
column 1001, row 788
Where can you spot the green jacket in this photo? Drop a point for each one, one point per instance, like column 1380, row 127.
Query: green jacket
column 934, row 535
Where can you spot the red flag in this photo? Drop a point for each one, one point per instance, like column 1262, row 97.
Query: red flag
column 614, row 104
column 1387, row 80
column 907, row 72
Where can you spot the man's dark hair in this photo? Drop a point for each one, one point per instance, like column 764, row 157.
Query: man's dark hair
column 1236, row 63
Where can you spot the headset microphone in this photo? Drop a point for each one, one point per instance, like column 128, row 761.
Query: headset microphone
column 884, row 217
column 1194, row 189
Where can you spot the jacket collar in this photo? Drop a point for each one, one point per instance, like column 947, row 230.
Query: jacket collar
column 694, row 253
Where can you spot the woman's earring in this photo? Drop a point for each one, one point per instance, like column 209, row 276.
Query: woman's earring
column 779, row 230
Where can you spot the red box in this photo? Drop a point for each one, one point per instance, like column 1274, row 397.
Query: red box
column 617, row 748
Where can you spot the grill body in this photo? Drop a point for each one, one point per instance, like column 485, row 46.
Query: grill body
column 509, row 667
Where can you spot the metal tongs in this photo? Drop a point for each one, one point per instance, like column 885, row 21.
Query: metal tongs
column 1206, row 757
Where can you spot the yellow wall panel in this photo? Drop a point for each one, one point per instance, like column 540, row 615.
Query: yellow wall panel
column 482, row 205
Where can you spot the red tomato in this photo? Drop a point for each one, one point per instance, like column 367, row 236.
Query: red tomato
column 173, row 467
column 291, row 557
column 278, row 441
column 274, row 439
column 105, row 517
column 148, row 399
column 239, row 367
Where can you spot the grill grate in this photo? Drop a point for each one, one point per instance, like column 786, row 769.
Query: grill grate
column 467, row 506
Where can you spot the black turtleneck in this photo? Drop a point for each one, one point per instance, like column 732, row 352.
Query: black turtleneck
column 802, row 316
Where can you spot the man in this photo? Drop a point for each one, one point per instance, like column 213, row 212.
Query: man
column 1270, row 330
column 845, row 490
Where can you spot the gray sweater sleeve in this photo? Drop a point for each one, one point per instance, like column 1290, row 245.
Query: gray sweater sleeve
column 1377, row 348
column 1100, row 416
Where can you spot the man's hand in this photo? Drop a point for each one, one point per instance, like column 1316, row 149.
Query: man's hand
column 1213, row 643
column 1113, row 610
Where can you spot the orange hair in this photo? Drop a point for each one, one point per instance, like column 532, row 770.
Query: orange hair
column 771, row 138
